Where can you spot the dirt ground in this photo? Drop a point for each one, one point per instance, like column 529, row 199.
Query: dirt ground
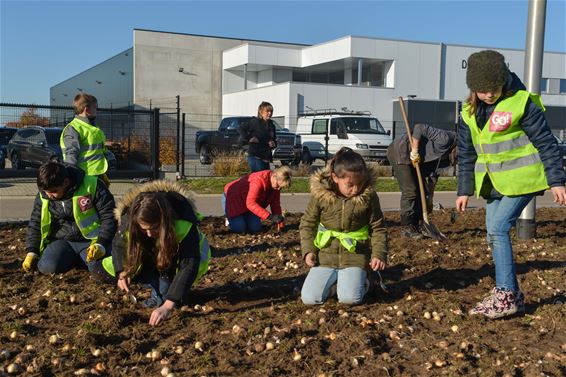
column 246, row 318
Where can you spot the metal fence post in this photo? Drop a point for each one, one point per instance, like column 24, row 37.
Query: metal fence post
column 178, row 131
column 183, row 128
column 155, row 144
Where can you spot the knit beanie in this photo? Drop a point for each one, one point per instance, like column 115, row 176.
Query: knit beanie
column 487, row 71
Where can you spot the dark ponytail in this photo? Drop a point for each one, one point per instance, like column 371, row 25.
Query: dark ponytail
column 346, row 160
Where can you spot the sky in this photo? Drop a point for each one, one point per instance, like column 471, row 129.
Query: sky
column 45, row 42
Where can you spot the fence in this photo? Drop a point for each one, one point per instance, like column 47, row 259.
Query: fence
column 129, row 133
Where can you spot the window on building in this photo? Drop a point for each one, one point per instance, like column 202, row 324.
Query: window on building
column 544, row 85
column 562, row 86
column 372, row 75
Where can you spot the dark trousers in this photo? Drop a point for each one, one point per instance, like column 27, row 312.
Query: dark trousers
column 257, row 164
column 61, row 256
column 406, row 175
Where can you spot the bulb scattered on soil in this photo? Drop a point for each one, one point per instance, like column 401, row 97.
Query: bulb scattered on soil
column 269, row 346
column 454, row 328
column 427, row 315
column 165, row 371
column 259, row 347
column 297, row 356
column 53, row 339
column 96, row 352
column 13, row 368
column 199, row 346
column 179, row 350
column 13, row 334
column 154, row 355
column 439, row 363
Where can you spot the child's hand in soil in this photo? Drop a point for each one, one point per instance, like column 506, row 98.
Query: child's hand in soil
column 162, row 313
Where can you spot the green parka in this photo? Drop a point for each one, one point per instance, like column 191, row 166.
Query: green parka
column 335, row 212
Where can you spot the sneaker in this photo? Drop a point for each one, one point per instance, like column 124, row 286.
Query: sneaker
column 500, row 303
column 410, row 231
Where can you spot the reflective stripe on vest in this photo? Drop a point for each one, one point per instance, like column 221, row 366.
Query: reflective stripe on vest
column 92, row 158
column 347, row 239
column 84, row 212
column 504, row 151
column 182, row 228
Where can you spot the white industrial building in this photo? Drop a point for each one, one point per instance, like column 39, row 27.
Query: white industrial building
column 217, row 77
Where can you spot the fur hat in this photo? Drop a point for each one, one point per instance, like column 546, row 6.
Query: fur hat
column 487, row 71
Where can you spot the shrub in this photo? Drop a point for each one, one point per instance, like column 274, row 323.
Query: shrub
column 229, row 164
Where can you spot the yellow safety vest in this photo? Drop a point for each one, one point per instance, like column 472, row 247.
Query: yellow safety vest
column 92, row 158
column 347, row 239
column 504, row 150
column 182, row 228
column 84, row 212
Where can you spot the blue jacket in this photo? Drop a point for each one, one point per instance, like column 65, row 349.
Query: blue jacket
column 536, row 128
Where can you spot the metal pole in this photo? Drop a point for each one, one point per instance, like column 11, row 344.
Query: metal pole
column 155, row 144
column 245, row 76
column 178, row 140
column 534, row 51
column 183, row 146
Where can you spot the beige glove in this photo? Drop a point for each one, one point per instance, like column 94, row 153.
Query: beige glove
column 30, row 262
column 95, row 252
column 415, row 157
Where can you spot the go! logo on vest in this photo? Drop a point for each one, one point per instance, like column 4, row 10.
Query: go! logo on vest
column 500, row 121
column 85, row 203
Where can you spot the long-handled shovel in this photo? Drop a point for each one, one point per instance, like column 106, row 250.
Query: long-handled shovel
column 429, row 227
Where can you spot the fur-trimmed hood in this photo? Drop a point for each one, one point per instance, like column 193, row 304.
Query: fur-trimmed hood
column 321, row 186
column 180, row 197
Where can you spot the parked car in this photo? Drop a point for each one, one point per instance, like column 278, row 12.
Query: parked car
column 35, row 145
column 227, row 139
column 357, row 130
column 6, row 134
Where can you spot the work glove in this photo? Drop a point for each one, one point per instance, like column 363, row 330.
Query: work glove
column 95, row 252
column 275, row 218
column 415, row 157
column 105, row 179
column 281, row 226
column 30, row 262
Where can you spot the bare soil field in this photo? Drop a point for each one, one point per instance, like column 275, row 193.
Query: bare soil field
column 246, row 317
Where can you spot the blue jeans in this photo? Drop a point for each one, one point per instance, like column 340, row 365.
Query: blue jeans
column 159, row 284
column 257, row 164
column 246, row 222
column 61, row 256
column 350, row 285
column 500, row 215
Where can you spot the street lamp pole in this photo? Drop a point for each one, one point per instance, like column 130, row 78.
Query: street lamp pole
column 534, row 51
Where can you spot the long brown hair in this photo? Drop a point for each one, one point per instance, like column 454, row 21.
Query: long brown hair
column 151, row 208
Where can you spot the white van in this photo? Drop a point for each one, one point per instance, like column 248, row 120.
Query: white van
column 357, row 130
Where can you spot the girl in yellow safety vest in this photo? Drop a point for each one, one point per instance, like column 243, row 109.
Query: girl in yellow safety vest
column 506, row 154
column 158, row 244
column 342, row 231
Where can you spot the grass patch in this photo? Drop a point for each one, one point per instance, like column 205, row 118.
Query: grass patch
column 215, row 185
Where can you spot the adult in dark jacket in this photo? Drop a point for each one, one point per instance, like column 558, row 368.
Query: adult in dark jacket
column 158, row 243
column 431, row 149
column 72, row 222
column 506, row 154
column 260, row 136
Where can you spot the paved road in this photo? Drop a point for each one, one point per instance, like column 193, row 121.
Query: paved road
column 16, row 200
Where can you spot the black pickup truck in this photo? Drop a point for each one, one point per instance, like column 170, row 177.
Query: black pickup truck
column 226, row 140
